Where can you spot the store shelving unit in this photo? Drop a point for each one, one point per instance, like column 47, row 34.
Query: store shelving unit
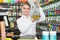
column 12, row 11
column 52, row 13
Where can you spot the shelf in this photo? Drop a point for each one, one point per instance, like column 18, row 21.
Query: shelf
column 45, row 3
column 52, row 5
column 9, row 4
column 10, row 34
column 52, row 15
column 13, row 9
column 44, row 23
column 14, row 16
column 3, row 10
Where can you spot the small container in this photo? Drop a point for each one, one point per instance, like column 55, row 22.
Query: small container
column 53, row 35
column 12, row 1
column 8, row 38
column 11, row 25
column 9, row 1
column 45, row 35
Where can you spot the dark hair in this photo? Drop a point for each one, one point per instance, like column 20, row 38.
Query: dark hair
column 26, row 3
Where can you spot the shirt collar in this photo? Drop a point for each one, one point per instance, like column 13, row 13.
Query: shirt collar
column 29, row 17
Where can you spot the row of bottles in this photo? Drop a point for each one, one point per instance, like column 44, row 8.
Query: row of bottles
column 47, row 2
column 53, row 19
column 12, row 21
column 15, row 9
column 48, row 27
column 14, row 13
column 54, row 27
column 51, row 7
column 55, row 12
column 12, row 1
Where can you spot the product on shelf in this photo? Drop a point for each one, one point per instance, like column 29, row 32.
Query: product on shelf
column 53, row 35
column 50, row 0
column 46, row 2
column 50, row 27
column 5, row 1
column 11, row 25
column 59, row 28
column 53, row 27
column 45, row 35
column 12, row 1
column 6, row 20
column 1, row 1
column 8, row 38
column 55, row 12
column 23, row 0
column 16, row 1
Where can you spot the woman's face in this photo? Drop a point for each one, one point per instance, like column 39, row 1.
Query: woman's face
column 25, row 9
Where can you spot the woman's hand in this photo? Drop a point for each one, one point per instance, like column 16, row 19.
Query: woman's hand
column 36, row 3
column 33, row 19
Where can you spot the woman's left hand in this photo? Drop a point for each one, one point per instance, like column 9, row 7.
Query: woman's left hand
column 37, row 3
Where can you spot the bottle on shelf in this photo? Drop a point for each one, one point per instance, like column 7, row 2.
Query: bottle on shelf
column 53, row 35
column 11, row 25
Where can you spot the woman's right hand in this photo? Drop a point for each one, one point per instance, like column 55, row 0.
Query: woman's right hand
column 33, row 19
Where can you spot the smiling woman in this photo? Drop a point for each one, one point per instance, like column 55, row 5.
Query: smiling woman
column 26, row 8
column 27, row 24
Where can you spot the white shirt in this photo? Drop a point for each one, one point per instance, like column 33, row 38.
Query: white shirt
column 26, row 26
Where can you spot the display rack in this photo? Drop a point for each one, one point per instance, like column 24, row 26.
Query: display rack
column 52, row 13
column 12, row 11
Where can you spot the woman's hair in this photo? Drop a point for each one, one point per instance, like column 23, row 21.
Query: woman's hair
column 26, row 3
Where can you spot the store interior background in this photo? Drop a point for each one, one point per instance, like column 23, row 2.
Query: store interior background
column 12, row 11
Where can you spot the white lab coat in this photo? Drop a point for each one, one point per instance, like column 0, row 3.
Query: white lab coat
column 26, row 26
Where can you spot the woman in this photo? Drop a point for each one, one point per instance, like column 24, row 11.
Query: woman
column 26, row 24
